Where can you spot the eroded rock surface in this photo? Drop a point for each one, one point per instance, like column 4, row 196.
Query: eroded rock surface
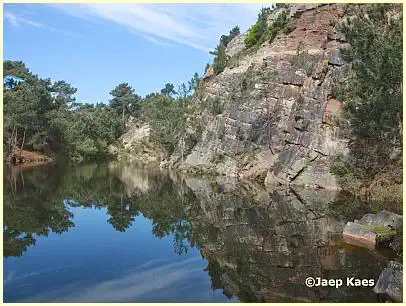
column 236, row 45
column 281, row 123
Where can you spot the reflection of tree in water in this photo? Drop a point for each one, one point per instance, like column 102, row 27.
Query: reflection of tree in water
column 30, row 208
column 182, row 234
column 16, row 243
column 165, row 207
column 121, row 216
column 37, row 202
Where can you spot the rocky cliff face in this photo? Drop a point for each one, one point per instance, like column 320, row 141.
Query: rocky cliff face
column 135, row 146
column 280, row 122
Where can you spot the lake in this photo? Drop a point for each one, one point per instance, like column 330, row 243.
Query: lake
column 115, row 233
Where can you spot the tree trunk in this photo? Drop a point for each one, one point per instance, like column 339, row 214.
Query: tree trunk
column 123, row 115
column 15, row 140
column 10, row 140
column 22, row 144
column 182, row 148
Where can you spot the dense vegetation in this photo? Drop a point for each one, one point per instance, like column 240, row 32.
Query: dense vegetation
column 43, row 116
column 373, row 95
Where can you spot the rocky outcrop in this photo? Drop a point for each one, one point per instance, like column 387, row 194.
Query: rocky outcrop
column 383, row 218
column 236, row 45
column 356, row 234
column 373, row 229
column 281, row 123
column 297, row 9
column 135, row 146
column 390, row 282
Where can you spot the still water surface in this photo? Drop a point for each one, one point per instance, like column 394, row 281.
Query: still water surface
column 111, row 233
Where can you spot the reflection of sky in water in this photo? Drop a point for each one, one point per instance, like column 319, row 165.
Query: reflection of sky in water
column 93, row 262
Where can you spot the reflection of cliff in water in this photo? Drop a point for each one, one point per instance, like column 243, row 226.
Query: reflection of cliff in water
column 260, row 245
column 262, row 248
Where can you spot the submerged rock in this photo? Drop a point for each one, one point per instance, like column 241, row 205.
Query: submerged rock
column 390, row 282
column 373, row 229
column 355, row 234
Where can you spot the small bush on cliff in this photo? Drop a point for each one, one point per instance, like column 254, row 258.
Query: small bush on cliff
column 261, row 31
column 289, row 28
column 279, row 24
column 302, row 59
column 220, row 57
column 339, row 168
column 217, row 158
column 215, row 106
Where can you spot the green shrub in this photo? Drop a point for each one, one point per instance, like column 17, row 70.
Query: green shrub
column 372, row 91
column 289, row 28
column 246, row 158
column 303, row 60
column 261, row 31
column 253, row 36
column 167, row 117
column 217, row 158
column 215, row 106
column 220, row 58
column 339, row 168
column 256, row 31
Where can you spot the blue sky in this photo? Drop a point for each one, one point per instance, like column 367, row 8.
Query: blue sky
column 97, row 46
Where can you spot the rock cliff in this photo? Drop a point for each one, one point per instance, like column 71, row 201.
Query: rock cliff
column 276, row 117
column 135, row 146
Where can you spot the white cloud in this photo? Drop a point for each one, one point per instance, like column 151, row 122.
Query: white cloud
column 148, row 280
column 12, row 19
column 196, row 25
column 18, row 21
